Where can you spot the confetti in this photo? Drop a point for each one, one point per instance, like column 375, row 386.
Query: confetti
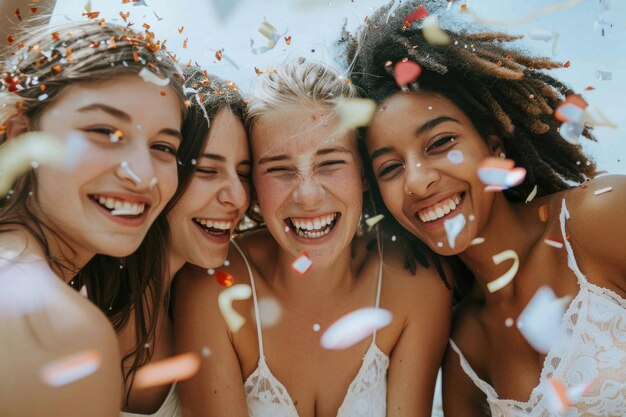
column 288, row 40
column 150, row 77
column 17, row 155
column 559, row 397
column 540, row 321
column 10, row 39
column 125, row 166
column 525, row 19
column 354, row 113
column 180, row 29
column 543, row 213
column 568, row 112
column 71, row 368
column 455, row 156
column 354, row 327
column 571, row 132
column 166, row 371
column 218, row 55
column 137, row 3
column 500, row 173
column 532, row 195
column 541, row 34
column 418, row 14
column 83, row 291
column 405, row 72
column 270, row 33
column 302, row 264
column 234, row 320
column 477, row 241
column 504, row 279
column 603, row 190
column 553, row 243
column 454, row 226
column 567, row 64
column 433, row 33
column 372, row 221
column 594, row 117
column 269, row 311
column 604, row 75
column 17, row 14
column 224, row 279
column 185, row 43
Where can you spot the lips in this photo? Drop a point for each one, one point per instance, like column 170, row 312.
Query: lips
column 439, row 209
column 214, row 227
column 125, row 210
column 313, row 227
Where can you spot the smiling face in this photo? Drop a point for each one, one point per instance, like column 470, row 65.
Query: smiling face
column 308, row 181
column 425, row 155
column 217, row 197
column 121, row 135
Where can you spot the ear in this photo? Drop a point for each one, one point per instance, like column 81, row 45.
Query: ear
column 17, row 125
column 495, row 144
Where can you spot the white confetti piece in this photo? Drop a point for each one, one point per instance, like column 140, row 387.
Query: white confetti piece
column 571, row 132
column 302, row 264
column 234, row 320
column 433, row 33
column 504, row 279
column 603, row 190
column 354, row 327
column 532, row 195
column 125, row 166
column 477, row 241
column 166, row 371
column 150, row 77
column 372, row 221
column 455, row 156
column 83, row 291
column 594, row 117
column 604, row 75
column 541, row 34
column 560, row 397
column 540, row 321
column 454, row 226
column 71, row 368
column 553, row 243
column 270, row 311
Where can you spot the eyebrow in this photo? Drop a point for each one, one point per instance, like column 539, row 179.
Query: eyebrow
column 419, row 131
column 220, row 158
column 118, row 114
column 320, row 152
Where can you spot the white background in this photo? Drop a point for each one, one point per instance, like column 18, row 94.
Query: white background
column 314, row 25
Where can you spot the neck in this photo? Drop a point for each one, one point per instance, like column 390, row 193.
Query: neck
column 65, row 259
column 174, row 264
column 508, row 228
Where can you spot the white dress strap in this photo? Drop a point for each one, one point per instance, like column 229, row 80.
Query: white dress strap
column 378, row 286
column 254, row 299
column 571, row 261
column 482, row 385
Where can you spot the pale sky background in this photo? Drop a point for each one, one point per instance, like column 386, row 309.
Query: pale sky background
column 592, row 36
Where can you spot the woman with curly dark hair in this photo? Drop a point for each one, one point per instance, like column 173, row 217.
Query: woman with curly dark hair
column 474, row 107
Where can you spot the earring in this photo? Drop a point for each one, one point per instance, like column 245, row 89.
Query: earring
column 502, row 155
column 125, row 171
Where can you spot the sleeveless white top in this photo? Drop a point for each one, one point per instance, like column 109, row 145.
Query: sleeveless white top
column 594, row 350
column 367, row 394
column 169, row 408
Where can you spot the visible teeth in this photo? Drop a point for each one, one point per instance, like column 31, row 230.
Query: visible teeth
column 439, row 210
column 215, row 224
column 313, row 228
column 121, row 207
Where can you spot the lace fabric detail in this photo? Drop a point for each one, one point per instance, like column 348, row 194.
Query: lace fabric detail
column 266, row 396
column 592, row 351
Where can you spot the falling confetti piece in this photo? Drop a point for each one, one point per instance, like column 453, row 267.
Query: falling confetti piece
column 433, row 33
column 270, row 312
column 405, row 72
column 455, row 156
column 504, row 279
column 603, row 190
column 71, row 368
column 180, row 29
column 541, row 34
column 83, row 291
column 354, row 113
column 568, row 112
column 604, row 75
column 372, row 221
column 151, row 77
column 543, row 213
column 125, row 166
column 185, row 43
column 477, row 241
column 454, row 226
column 218, row 55
column 10, row 39
column 17, row 156
column 497, row 172
column 354, row 327
column 553, row 243
column 540, row 321
column 532, row 195
column 17, row 14
column 288, row 40
column 418, row 14
column 525, row 19
column 302, row 264
column 224, row 279
column 234, row 320
column 567, row 64
column 571, row 132
column 559, row 397
column 594, row 117
column 167, row 371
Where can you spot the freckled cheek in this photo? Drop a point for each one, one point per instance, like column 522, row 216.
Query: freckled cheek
column 167, row 177
column 271, row 193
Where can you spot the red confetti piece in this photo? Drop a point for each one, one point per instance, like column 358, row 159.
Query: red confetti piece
column 55, row 36
column 33, row 10
column 56, row 68
column 218, row 55
column 17, row 14
column 589, row 88
column 418, row 14
column 224, row 279
column 302, row 264
column 176, row 368
column 543, row 213
column 464, row 8
column 258, row 71
column 10, row 39
column 163, row 93
column 185, row 42
column 567, row 64
column 288, row 40
column 405, row 72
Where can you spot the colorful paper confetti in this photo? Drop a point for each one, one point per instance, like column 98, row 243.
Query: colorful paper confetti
column 504, row 279
column 354, row 327
column 167, row 371
column 151, row 77
column 233, row 320
column 302, row 264
column 224, row 279
column 71, row 368
column 454, row 226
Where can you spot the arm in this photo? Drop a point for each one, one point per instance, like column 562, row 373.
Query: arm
column 10, row 23
column 217, row 388
column 415, row 359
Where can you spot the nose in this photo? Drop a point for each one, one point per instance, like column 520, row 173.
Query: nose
column 419, row 177
column 137, row 169
column 308, row 193
column 234, row 193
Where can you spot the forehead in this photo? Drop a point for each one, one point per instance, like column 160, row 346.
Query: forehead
column 227, row 134
column 297, row 130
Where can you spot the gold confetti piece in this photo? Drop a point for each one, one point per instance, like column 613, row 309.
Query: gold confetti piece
column 543, row 213
column 371, row 221
column 233, row 320
column 504, row 279
column 180, row 29
column 17, row 156
column 166, row 371
column 477, row 241
column 532, row 195
column 525, row 19
column 603, row 190
column 354, row 113
column 553, row 243
column 71, row 368
column 185, row 42
column 433, row 33
column 151, row 77
column 218, row 55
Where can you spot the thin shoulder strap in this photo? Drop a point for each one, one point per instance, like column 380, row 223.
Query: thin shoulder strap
column 467, row 368
column 571, row 261
column 255, row 300
column 379, row 285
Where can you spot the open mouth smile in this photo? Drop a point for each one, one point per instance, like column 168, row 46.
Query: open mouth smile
column 214, row 227
column 440, row 209
column 313, row 227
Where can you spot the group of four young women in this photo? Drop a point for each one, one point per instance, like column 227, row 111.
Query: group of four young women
column 160, row 172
